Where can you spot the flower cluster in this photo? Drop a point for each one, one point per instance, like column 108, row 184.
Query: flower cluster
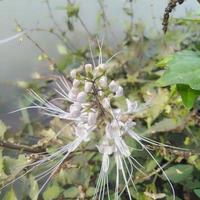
column 90, row 94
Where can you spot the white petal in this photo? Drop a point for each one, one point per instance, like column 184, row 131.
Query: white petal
column 103, row 81
column 81, row 97
column 73, row 73
column 119, row 92
column 88, row 86
column 113, row 86
column 106, row 103
column 92, row 118
column 76, row 83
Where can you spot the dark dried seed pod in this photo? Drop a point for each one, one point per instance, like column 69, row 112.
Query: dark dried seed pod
column 170, row 7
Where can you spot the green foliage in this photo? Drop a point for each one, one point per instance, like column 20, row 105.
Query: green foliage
column 188, row 95
column 183, row 69
column 10, row 195
column 52, row 192
column 72, row 10
column 197, row 192
column 71, row 192
column 179, row 173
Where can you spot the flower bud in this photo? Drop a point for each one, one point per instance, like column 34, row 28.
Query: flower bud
column 76, row 83
column 88, row 68
column 73, row 92
column 75, row 109
column 92, row 118
column 113, row 86
column 81, row 97
column 102, row 67
column 119, row 92
column 100, row 93
column 106, row 103
column 131, row 106
column 88, row 86
column 103, row 81
column 73, row 73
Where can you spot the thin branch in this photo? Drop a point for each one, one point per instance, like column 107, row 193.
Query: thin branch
column 83, row 24
column 51, row 61
column 62, row 32
column 19, row 147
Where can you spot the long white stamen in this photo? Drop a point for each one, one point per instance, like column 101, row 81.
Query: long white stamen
column 12, row 38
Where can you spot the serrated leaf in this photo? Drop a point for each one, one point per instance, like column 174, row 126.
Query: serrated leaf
column 188, row 95
column 183, row 68
column 10, row 195
column 180, row 172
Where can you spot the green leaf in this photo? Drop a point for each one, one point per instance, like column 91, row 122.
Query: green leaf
column 72, row 192
column 159, row 102
column 34, row 188
column 165, row 125
column 10, row 195
column 180, row 172
column 188, row 95
column 197, row 192
column 72, row 10
column 2, row 173
column 183, row 68
column 52, row 192
column 90, row 191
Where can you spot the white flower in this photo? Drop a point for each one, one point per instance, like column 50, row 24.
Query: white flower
column 131, row 106
column 81, row 97
column 75, row 109
column 106, row 103
column 119, row 92
column 88, row 86
column 103, row 81
column 76, row 83
column 102, row 67
column 88, row 68
column 73, row 93
column 92, row 118
column 113, row 86
column 87, row 112
column 73, row 73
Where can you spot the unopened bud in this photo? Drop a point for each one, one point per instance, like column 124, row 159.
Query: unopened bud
column 75, row 109
column 73, row 92
column 76, row 83
column 119, row 92
column 106, row 103
column 81, row 97
column 92, row 118
column 88, row 68
column 102, row 67
column 100, row 93
column 88, row 86
column 113, row 86
column 103, row 81
column 73, row 73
